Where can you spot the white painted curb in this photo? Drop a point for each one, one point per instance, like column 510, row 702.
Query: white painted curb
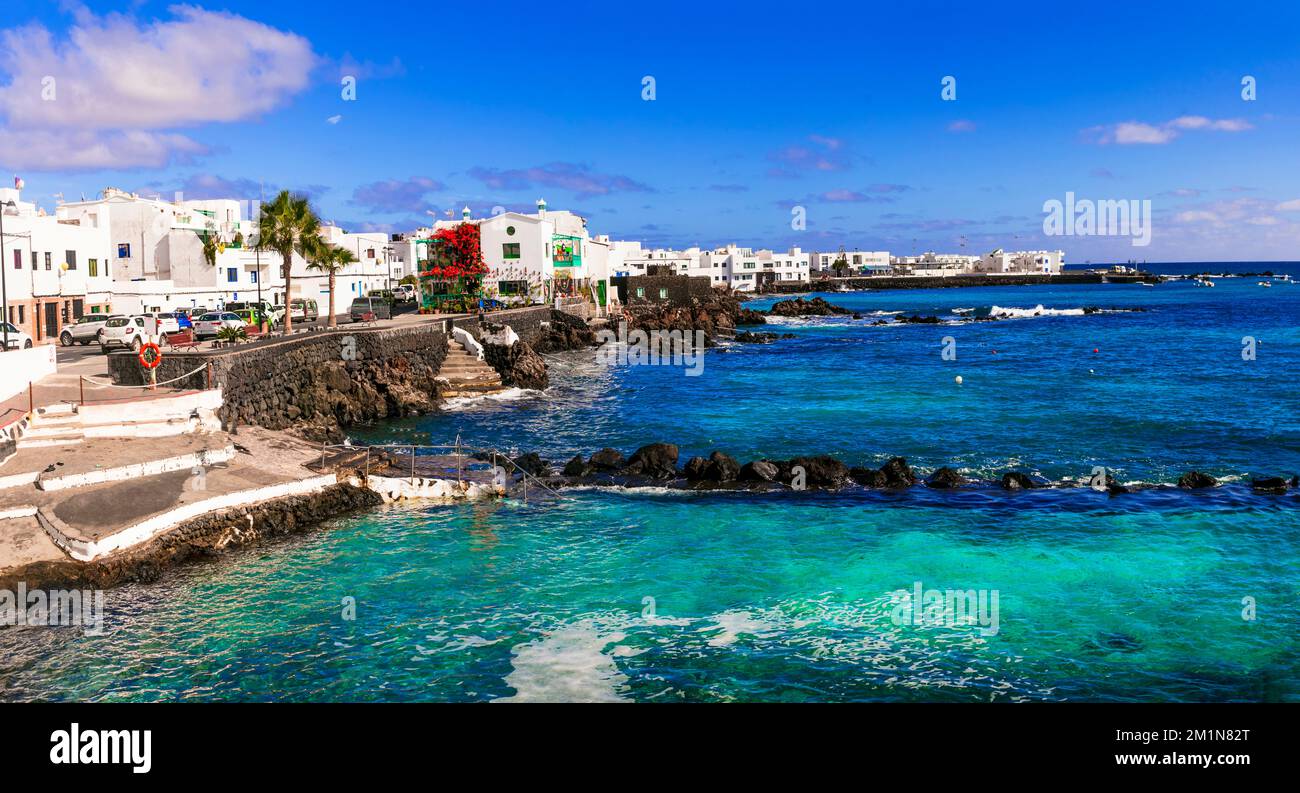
column 85, row 551
column 150, row 468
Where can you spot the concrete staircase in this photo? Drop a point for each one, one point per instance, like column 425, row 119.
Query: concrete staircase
column 466, row 374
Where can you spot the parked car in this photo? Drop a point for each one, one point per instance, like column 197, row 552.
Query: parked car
column 85, row 330
column 125, row 331
column 274, row 314
column 383, row 294
column 370, row 305
column 406, row 293
column 302, row 309
column 168, row 322
column 208, row 324
column 17, row 339
column 250, row 318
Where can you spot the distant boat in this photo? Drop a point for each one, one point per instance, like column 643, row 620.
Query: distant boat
column 1265, row 283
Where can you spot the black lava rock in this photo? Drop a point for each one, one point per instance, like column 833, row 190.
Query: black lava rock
column 1014, row 480
column 655, row 460
column 822, row 470
column 577, row 467
column 759, row 471
column 695, row 468
column 945, row 478
column 1195, row 480
column 722, row 468
column 606, row 460
column 898, row 473
column 867, row 477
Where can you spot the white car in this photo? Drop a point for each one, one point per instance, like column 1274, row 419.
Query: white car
column 130, row 332
column 85, row 330
column 17, row 339
column 168, row 323
column 210, row 323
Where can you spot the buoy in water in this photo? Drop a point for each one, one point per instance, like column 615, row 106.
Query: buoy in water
column 958, row 379
column 1094, row 350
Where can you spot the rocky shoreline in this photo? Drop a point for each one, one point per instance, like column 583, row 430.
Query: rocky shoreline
column 657, row 464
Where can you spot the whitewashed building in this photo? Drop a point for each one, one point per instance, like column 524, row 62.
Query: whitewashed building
column 858, row 261
column 55, row 269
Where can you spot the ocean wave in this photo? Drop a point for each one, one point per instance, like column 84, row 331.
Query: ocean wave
column 1036, row 311
column 508, row 395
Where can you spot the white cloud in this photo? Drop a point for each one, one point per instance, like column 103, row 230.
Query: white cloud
column 131, row 81
column 78, row 150
column 1140, row 132
column 1289, row 206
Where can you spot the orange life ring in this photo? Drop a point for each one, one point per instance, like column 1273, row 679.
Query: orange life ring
column 153, row 359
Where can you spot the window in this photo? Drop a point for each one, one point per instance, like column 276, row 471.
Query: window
column 33, row 260
column 510, row 250
column 232, row 275
column 92, row 265
column 512, row 287
column 21, row 312
column 70, row 258
column 48, row 258
column 663, row 294
column 124, row 250
column 18, row 260
column 253, row 276
column 510, row 230
column 640, row 291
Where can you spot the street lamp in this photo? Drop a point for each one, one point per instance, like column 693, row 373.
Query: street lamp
column 4, row 287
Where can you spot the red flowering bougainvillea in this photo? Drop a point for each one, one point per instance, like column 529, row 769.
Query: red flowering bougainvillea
column 458, row 253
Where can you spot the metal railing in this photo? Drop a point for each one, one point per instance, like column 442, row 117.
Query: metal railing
column 460, row 452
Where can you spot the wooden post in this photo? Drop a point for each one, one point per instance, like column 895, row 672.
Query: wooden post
column 81, row 386
column 31, row 399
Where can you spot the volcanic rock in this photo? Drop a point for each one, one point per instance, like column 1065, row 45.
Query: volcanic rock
column 1196, row 479
column 695, row 468
column 821, row 471
column 798, row 307
column 945, row 478
column 721, row 468
column 655, row 460
column 759, row 471
column 1014, row 480
column 577, row 467
column 606, row 460
column 898, row 473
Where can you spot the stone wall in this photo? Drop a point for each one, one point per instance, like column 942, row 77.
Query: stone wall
column 322, row 382
column 928, row 282
column 681, row 290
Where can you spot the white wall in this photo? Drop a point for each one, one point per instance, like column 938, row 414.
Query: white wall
column 18, row 368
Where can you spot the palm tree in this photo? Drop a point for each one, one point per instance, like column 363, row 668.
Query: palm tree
column 330, row 259
column 287, row 226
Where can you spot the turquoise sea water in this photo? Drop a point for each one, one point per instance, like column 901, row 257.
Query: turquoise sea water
column 657, row 595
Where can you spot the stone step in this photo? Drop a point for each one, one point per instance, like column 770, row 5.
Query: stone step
column 63, row 440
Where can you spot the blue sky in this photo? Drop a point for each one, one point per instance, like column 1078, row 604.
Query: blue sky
column 835, row 108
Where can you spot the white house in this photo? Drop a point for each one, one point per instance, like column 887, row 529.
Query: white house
column 55, row 269
column 544, row 255
column 869, row 261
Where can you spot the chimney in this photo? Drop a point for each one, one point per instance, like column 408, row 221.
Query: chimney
column 541, row 207
column 464, row 213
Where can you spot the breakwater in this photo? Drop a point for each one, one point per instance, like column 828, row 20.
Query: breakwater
column 946, row 282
